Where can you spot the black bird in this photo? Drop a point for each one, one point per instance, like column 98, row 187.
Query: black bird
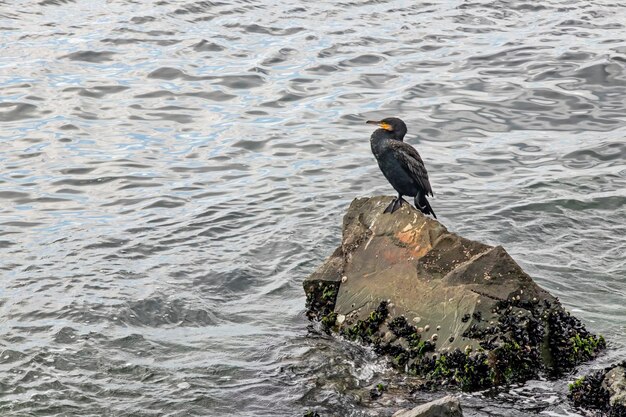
column 400, row 164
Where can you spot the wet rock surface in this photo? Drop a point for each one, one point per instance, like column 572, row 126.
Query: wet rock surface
column 453, row 311
column 603, row 391
column 445, row 407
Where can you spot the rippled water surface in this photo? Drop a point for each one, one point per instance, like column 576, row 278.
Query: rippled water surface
column 171, row 171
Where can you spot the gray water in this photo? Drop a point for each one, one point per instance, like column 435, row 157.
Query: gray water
column 171, row 171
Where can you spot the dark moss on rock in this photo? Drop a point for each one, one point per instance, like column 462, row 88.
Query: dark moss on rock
column 329, row 321
column 400, row 327
column 570, row 343
column 602, row 391
column 377, row 391
column 366, row 330
column 512, row 362
column 510, row 348
column 465, row 370
column 320, row 298
column 587, row 392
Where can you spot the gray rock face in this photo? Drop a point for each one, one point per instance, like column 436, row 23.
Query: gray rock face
column 445, row 407
column 439, row 305
column 615, row 383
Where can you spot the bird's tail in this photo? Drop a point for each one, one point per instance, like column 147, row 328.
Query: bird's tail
column 423, row 205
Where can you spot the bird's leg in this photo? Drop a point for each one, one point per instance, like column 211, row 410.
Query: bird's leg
column 391, row 206
column 395, row 204
column 398, row 203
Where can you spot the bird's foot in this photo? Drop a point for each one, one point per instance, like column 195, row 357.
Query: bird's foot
column 399, row 202
column 396, row 203
column 390, row 206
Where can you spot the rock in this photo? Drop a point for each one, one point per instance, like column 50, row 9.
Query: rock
column 615, row 383
column 603, row 390
column 377, row 391
column 445, row 407
column 495, row 325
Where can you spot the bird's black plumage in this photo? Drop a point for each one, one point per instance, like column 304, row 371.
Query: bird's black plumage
column 401, row 164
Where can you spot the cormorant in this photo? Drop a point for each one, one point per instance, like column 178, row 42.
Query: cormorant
column 400, row 164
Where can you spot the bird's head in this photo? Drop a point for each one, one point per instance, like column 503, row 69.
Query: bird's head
column 396, row 127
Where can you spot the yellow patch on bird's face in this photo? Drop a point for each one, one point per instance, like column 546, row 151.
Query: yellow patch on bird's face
column 385, row 126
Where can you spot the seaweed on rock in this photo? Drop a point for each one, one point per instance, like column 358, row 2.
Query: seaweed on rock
column 587, row 392
column 320, row 298
column 597, row 391
column 377, row 391
column 570, row 343
column 365, row 330
column 511, row 347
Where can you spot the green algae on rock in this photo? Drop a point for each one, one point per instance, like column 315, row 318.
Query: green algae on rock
column 377, row 391
column 449, row 310
column 603, row 390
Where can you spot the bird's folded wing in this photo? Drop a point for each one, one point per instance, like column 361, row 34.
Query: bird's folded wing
column 411, row 161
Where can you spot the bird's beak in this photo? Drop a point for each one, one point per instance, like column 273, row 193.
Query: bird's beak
column 380, row 124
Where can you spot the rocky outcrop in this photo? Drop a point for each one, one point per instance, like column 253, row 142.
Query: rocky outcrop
column 445, row 407
column 448, row 309
column 603, row 390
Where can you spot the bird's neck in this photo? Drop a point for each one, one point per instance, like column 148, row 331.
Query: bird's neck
column 379, row 140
